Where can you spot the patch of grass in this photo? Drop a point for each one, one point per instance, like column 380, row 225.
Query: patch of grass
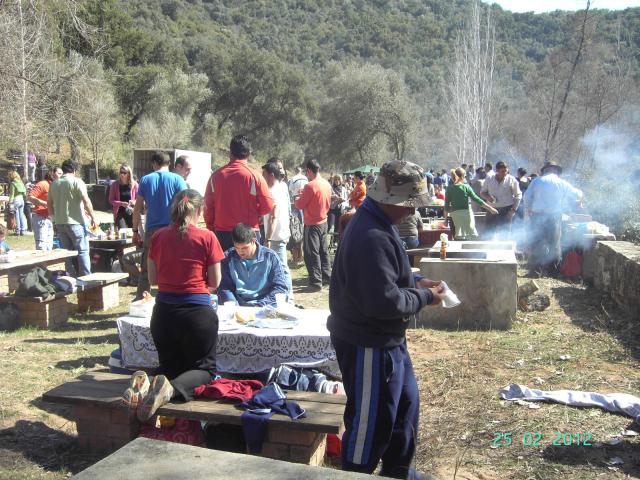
column 460, row 378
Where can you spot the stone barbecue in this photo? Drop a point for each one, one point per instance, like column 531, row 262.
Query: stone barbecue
column 484, row 277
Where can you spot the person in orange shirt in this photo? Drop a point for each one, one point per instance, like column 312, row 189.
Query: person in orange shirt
column 314, row 200
column 359, row 192
column 42, row 224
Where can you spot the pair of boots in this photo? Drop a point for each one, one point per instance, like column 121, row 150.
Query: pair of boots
column 144, row 398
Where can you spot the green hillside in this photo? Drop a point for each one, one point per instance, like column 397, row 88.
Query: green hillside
column 344, row 81
column 414, row 37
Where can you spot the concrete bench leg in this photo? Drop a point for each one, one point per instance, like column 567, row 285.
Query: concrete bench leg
column 295, row 446
column 103, row 430
column 99, row 298
column 44, row 315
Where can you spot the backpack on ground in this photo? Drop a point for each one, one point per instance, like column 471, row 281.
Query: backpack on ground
column 9, row 317
column 297, row 230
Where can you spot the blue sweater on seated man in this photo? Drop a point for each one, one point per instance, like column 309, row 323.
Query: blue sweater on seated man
column 252, row 275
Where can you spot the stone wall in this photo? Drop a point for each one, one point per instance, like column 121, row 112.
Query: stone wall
column 617, row 272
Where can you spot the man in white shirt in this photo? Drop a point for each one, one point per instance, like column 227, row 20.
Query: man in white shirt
column 296, row 184
column 545, row 200
column 276, row 223
column 183, row 167
column 488, row 169
column 503, row 193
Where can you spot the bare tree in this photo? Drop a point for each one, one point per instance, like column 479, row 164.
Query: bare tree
column 470, row 86
column 24, row 67
column 556, row 120
column 90, row 106
column 604, row 83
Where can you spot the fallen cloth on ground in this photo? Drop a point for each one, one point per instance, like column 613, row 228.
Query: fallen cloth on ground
column 612, row 402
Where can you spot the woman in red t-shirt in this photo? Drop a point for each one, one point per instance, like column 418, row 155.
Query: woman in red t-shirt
column 184, row 261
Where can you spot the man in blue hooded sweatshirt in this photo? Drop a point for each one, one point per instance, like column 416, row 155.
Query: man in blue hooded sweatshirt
column 373, row 295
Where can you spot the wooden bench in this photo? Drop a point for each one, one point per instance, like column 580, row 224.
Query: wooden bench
column 99, row 291
column 103, row 425
column 41, row 312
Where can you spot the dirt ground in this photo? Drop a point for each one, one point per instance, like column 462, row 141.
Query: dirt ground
column 459, row 373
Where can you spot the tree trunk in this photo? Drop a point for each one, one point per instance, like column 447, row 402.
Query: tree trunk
column 95, row 159
column 75, row 149
column 23, row 93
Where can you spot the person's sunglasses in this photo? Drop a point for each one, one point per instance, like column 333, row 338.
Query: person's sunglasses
column 123, row 173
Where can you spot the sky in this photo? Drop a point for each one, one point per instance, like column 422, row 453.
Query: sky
column 539, row 6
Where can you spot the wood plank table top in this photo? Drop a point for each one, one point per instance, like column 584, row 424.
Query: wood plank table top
column 111, row 243
column 101, row 389
column 33, row 258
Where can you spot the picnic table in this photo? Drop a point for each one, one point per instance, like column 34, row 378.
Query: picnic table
column 103, row 425
column 102, row 251
column 243, row 349
column 21, row 261
column 429, row 236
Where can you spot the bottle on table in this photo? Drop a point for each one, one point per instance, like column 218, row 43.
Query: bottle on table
column 443, row 246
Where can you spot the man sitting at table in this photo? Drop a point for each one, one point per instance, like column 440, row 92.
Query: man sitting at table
column 251, row 274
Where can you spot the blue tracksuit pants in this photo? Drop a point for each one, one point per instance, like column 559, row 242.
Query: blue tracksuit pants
column 381, row 415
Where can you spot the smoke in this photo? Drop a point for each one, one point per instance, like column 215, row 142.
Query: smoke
column 606, row 169
column 610, row 176
column 612, row 148
column 502, row 150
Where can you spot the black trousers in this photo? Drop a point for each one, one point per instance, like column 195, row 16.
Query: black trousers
column 316, row 254
column 123, row 219
column 544, row 241
column 499, row 225
column 333, row 218
column 186, row 336
column 143, row 279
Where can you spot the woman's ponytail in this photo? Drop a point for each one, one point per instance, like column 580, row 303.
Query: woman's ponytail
column 186, row 204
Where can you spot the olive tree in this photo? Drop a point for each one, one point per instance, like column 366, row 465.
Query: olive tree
column 367, row 107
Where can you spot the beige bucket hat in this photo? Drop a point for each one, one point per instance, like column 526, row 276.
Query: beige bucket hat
column 402, row 184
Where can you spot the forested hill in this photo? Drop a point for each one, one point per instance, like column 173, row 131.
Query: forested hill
column 415, row 37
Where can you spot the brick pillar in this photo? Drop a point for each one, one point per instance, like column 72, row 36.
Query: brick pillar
column 104, row 430
column 4, row 283
column 99, row 298
column 295, row 446
column 44, row 315
column 14, row 280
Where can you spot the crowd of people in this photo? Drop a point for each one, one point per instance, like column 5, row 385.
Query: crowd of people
column 525, row 208
column 252, row 220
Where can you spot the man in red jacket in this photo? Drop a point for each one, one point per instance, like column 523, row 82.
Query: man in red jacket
column 236, row 194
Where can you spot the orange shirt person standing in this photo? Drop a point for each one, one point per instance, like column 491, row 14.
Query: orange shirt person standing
column 359, row 192
column 314, row 201
column 41, row 223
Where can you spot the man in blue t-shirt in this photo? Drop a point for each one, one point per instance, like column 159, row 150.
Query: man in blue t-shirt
column 155, row 193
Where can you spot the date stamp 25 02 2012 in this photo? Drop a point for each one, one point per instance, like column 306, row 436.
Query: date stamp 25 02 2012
column 537, row 439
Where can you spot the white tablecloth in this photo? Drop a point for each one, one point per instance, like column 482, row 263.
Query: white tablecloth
column 245, row 349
